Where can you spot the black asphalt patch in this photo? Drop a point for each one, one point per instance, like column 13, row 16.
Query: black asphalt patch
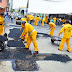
column 25, row 61
column 15, row 44
column 15, row 33
column 58, row 57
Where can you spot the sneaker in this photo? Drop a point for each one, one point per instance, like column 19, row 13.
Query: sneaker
column 36, row 52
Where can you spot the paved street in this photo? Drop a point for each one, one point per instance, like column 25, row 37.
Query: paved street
column 15, row 59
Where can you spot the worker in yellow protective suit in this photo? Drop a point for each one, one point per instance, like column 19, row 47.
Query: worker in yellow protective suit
column 52, row 27
column 36, row 20
column 55, row 20
column 24, row 19
column 46, row 19
column 30, row 18
column 66, row 37
column 1, row 24
column 32, row 34
column 43, row 21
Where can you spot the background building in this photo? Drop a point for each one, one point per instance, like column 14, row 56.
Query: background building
column 3, row 4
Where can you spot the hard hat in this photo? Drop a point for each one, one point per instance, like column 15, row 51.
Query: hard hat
column 23, row 22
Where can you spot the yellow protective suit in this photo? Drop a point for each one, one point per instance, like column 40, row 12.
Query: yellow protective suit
column 55, row 19
column 46, row 19
column 24, row 19
column 66, row 37
column 43, row 21
column 28, row 28
column 30, row 17
column 35, row 20
column 52, row 27
column 1, row 25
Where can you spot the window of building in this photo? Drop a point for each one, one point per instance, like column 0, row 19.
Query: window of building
column 0, row 0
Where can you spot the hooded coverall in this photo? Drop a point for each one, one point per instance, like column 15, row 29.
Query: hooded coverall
column 55, row 19
column 52, row 27
column 24, row 19
column 66, row 37
column 43, row 21
column 30, row 18
column 35, row 20
column 1, row 25
column 28, row 28
column 46, row 19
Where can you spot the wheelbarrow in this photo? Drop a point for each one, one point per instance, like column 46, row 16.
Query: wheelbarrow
column 2, row 41
column 55, row 38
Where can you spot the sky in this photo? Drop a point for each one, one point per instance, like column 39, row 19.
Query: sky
column 17, row 3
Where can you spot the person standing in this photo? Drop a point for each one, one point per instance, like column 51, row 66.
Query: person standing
column 1, row 24
column 32, row 34
column 46, row 19
column 7, row 15
column 66, row 37
column 55, row 19
column 12, row 17
column 40, row 20
column 35, row 20
column 43, row 21
column 60, row 20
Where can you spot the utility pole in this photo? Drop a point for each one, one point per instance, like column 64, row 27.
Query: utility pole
column 27, row 6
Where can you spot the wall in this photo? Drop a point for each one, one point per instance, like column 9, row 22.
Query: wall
column 4, row 3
